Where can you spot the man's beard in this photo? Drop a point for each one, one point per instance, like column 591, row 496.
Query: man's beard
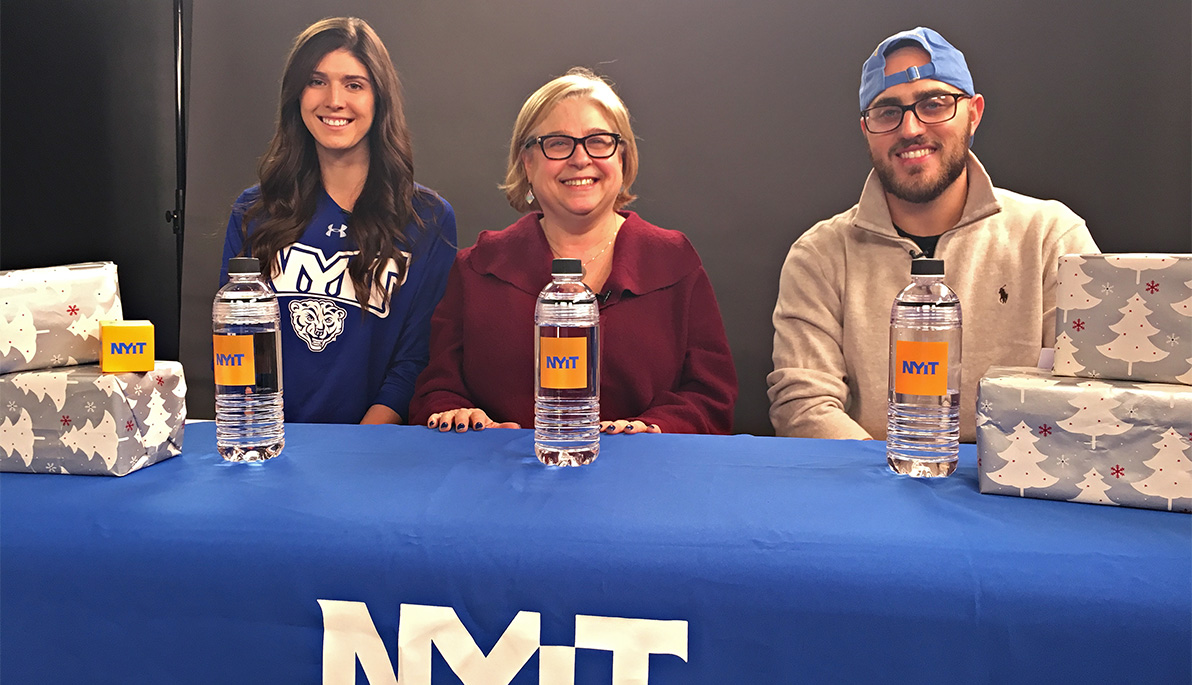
column 916, row 188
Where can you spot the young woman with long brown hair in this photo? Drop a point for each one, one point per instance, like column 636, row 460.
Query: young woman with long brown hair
column 357, row 252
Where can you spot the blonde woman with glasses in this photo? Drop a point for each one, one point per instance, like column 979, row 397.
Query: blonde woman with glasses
column 665, row 360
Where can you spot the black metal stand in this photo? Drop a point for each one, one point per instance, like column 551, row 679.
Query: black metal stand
column 175, row 216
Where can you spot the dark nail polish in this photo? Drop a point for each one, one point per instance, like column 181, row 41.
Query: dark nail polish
column 478, row 425
column 461, row 426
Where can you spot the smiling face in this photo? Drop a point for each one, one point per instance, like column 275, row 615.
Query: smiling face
column 337, row 104
column 917, row 162
column 578, row 189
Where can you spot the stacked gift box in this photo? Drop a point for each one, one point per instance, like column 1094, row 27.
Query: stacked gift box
column 60, row 413
column 1111, row 422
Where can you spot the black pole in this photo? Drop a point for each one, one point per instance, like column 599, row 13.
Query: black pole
column 175, row 217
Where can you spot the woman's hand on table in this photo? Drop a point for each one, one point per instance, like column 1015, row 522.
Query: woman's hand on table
column 464, row 419
column 628, row 427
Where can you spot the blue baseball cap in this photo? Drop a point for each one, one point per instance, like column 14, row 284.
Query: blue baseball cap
column 947, row 65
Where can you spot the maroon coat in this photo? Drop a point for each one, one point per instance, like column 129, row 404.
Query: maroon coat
column 664, row 355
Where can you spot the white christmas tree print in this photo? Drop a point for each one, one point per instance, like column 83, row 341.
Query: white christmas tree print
column 1094, row 413
column 156, row 428
column 84, row 327
column 1184, row 306
column 47, row 286
column 110, row 384
column 107, row 306
column 180, row 389
column 18, row 437
column 1065, row 356
column 1133, row 344
column 94, row 440
column 1069, row 295
column 43, row 384
column 1141, row 262
column 1172, row 471
column 1024, row 383
column 1092, row 489
column 1022, row 469
column 1164, row 391
column 1186, row 378
column 18, row 331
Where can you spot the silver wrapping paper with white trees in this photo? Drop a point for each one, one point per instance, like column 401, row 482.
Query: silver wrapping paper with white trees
column 77, row 420
column 1115, row 443
column 1125, row 316
column 50, row 316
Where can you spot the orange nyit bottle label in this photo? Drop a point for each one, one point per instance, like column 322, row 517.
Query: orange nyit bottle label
column 921, row 368
column 234, row 361
column 563, row 363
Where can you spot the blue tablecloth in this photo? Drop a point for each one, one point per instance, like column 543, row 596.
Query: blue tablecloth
column 791, row 561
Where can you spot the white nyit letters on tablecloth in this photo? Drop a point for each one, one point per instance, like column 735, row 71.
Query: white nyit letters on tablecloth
column 349, row 634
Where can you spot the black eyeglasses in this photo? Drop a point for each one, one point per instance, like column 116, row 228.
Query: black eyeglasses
column 558, row 146
column 934, row 109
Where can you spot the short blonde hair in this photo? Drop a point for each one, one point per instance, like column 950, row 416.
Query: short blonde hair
column 578, row 82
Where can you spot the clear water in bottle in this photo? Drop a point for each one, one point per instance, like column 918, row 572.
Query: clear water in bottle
column 249, row 423
column 923, row 428
column 567, row 379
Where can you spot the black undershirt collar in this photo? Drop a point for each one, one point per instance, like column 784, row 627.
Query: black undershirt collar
column 926, row 243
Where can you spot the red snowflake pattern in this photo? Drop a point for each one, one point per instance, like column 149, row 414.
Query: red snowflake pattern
column 65, row 420
column 160, row 380
column 129, row 426
column 1078, row 325
column 1152, row 287
column 73, row 310
column 1044, row 430
column 1117, row 471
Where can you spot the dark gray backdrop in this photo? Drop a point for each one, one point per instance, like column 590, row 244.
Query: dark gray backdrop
column 746, row 114
column 87, row 150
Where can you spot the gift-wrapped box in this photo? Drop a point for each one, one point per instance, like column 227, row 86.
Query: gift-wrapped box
column 1082, row 440
column 77, row 420
column 1125, row 316
column 50, row 317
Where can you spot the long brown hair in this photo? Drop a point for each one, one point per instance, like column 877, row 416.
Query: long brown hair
column 289, row 171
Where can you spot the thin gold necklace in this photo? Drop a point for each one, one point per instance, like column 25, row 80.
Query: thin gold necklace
column 607, row 244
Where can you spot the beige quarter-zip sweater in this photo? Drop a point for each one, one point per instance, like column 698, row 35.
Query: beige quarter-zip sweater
column 832, row 319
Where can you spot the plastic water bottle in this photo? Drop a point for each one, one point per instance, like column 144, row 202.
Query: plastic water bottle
column 247, row 343
column 567, row 381
column 923, row 429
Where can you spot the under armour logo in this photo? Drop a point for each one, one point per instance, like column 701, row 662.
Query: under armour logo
column 342, row 230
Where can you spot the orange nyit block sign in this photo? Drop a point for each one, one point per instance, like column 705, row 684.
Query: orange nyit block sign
column 234, row 360
column 125, row 346
column 921, row 368
column 563, row 362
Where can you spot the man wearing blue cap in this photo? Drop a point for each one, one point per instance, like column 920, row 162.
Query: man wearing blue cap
column 927, row 194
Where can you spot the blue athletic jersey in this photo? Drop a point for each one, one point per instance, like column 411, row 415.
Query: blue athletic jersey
column 336, row 362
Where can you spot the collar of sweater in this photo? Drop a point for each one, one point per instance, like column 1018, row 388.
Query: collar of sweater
column 645, row 257
column 873, row 213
